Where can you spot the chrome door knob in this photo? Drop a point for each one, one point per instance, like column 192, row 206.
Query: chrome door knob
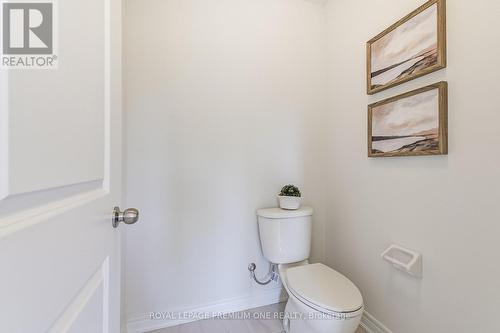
column 128, row 216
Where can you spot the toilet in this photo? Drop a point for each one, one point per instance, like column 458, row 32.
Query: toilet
column 320, row 299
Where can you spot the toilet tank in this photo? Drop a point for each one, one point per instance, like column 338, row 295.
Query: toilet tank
column 285, row 235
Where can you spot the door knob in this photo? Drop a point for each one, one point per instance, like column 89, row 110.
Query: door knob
column 128, row 216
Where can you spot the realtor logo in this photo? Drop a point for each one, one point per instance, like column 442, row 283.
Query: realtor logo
column 28, row 32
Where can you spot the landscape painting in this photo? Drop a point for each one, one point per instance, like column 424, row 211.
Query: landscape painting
column 414, row 46
column 414, row 123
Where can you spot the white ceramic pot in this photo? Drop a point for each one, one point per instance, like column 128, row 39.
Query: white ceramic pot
column 290, row 203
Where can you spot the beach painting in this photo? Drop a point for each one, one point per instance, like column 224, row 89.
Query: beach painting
column 414, row 46
column 411, row 124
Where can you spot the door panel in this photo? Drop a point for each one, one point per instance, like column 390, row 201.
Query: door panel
column 60, row 177
column 69, row 102
column 4, row 133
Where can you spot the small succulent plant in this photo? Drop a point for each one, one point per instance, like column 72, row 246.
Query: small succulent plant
column 290, row 191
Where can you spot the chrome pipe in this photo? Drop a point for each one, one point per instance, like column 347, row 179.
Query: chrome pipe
column 271, row 276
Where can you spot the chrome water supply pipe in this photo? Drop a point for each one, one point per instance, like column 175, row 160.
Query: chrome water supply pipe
column 271, row 276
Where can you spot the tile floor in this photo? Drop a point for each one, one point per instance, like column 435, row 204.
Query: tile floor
column 237, row 326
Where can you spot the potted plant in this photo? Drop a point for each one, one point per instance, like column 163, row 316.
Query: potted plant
column 289, row 197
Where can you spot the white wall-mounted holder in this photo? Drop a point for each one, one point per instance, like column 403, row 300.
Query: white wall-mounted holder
column 404, row 259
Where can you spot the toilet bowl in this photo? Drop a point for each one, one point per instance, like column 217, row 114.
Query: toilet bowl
column 320, row 299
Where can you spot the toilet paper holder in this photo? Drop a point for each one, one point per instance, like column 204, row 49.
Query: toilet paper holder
column 404, row 260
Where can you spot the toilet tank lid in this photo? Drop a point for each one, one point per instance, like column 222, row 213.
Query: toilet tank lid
column 278, row 213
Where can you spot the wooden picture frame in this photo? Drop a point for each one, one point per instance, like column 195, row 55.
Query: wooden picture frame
column 410, row 48
column 410, row 124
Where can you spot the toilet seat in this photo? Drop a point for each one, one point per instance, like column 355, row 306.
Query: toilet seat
column 325, row 290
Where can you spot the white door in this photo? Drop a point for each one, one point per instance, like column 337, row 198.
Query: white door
column 60, row 177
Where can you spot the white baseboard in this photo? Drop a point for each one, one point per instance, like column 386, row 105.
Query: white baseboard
column 144, row 323
column 371, row 325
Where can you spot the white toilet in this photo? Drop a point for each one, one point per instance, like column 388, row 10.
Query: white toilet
column 320, row 300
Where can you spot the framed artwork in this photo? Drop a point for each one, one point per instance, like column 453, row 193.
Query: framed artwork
column 410, row 48
column 410, row 124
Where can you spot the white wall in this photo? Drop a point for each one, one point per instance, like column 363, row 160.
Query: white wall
column 445, row 206
column 225, row 103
